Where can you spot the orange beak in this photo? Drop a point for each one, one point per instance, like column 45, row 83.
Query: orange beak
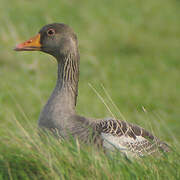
column 33, row 44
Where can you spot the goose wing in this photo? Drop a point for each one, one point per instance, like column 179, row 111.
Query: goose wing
column 128, row 138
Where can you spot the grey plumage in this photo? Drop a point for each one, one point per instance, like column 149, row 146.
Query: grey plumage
column 129, row 138
column 59, row 114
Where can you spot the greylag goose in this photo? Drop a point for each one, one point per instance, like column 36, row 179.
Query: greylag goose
column 59, row 116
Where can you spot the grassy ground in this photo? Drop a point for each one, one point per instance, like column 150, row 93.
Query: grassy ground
column 129, row 48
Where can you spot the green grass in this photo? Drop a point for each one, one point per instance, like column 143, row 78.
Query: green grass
column 131, row 48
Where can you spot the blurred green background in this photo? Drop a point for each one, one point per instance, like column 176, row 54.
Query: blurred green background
column 130, row 47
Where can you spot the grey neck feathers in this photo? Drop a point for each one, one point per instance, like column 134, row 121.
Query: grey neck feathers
column 66, row 90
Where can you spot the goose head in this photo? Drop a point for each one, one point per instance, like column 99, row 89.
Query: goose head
column 56, row 39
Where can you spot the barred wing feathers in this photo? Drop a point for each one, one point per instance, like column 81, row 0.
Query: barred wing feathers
column 128, row 138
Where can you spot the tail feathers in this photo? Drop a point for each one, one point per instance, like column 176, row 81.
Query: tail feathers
column 164, row 147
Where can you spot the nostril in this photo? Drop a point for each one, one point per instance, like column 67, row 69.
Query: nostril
column 29, row 41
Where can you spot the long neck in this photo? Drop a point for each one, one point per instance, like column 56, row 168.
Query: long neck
column 68, row 76
column 65, row 93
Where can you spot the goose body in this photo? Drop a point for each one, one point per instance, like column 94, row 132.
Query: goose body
column 59, row 116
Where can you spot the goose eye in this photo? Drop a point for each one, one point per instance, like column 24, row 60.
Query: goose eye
column 50, row 32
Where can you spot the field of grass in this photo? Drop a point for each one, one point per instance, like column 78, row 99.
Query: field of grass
column 130, row 51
